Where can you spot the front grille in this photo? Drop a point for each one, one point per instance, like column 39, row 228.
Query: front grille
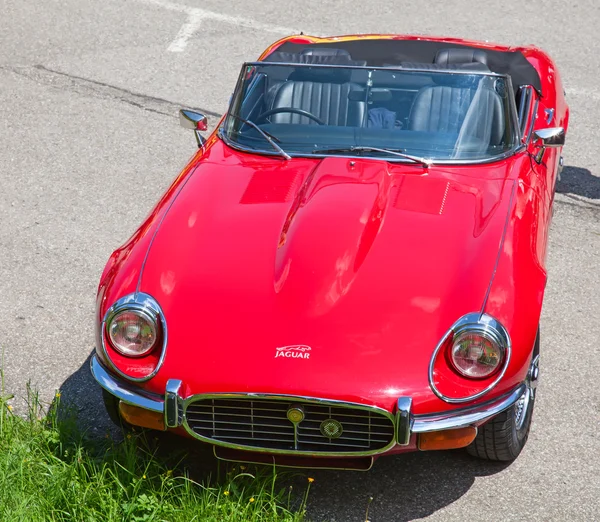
column 263, row 423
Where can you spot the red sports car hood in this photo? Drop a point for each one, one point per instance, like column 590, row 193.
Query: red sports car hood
column 330, row 278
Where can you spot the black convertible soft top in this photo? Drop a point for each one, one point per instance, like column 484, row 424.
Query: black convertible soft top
column 387, row 52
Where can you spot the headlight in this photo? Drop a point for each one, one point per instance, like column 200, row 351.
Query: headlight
column 476, row 354
column 133, row 332
column 471, row 358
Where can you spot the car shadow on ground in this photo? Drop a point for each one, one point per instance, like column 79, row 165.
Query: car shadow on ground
column 81, row 396
column 81, row 401
column 402, row 487
column 579, row 181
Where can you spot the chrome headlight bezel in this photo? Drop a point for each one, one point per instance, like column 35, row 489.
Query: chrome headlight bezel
column 482, row 324
column 147, row 306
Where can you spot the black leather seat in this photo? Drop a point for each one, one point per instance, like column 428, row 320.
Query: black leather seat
column 326, row 51
column 327, row 101
column 442, row 108
column 322, row 92
column 323, row 55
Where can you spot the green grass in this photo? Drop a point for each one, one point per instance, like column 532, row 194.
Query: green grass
column 49, row 471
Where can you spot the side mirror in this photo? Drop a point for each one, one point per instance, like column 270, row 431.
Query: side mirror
column 194, row 121
column 552, row 137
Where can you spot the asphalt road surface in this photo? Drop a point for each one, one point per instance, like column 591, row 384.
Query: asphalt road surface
column 89, row 139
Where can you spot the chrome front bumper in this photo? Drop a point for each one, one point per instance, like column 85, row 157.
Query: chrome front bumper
column 407, row 423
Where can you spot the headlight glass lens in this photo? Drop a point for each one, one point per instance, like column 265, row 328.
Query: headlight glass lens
column 132, row 333
column 476, row 355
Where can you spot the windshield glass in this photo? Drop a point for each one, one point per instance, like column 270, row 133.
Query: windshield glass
column 400, row 115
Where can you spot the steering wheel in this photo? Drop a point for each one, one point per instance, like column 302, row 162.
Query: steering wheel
column 278, row 110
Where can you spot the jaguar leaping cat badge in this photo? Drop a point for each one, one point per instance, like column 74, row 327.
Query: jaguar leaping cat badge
column 295, row 351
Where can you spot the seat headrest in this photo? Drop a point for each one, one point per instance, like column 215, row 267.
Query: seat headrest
column 325, row 51
column 460, row 55
column 321, row 75
column 343, row 58
column 446, row 79
column 318, row 74
column 472, row 66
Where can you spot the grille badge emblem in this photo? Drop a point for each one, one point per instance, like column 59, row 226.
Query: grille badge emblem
column 295, row 414
column 331, row 429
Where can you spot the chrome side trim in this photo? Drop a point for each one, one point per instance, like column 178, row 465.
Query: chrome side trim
column 173, row 410
column 291, row 399
column 522, row 104
column 403, row 417
column 526, row 93
column 479, row 322
column 128, row 394
column 136, row 301
column 467, row 416
column 500, row 246
column 513, row 109
column 532, row 122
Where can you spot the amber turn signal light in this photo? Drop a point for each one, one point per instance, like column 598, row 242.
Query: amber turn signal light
column 447, row 439
column 142, row 417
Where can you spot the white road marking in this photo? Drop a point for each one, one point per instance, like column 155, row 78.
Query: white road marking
column 195, row 16
column 194, row 20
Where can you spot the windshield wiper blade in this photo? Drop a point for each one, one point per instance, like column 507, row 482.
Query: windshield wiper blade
column 396, row 152
column 271, row 139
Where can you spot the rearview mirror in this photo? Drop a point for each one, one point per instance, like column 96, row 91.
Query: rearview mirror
column 194, row 121
column 551, row 137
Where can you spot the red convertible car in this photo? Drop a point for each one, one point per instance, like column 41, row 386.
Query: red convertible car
column 352, row 264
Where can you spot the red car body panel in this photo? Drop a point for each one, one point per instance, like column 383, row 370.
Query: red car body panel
column 363, row 264
column 367, row 262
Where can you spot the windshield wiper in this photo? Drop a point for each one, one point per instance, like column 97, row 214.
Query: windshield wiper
column 396, row 152
column 270, row 138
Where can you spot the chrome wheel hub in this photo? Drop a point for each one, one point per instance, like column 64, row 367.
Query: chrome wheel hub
column 521, row 408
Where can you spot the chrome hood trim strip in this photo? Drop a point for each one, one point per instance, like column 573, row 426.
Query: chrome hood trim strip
column 500, row 246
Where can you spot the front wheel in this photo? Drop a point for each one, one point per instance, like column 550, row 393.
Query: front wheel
column 503, row 437
column 111, row 403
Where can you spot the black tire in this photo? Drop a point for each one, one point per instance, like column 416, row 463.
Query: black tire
column 111, row 403
column 503, row 437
